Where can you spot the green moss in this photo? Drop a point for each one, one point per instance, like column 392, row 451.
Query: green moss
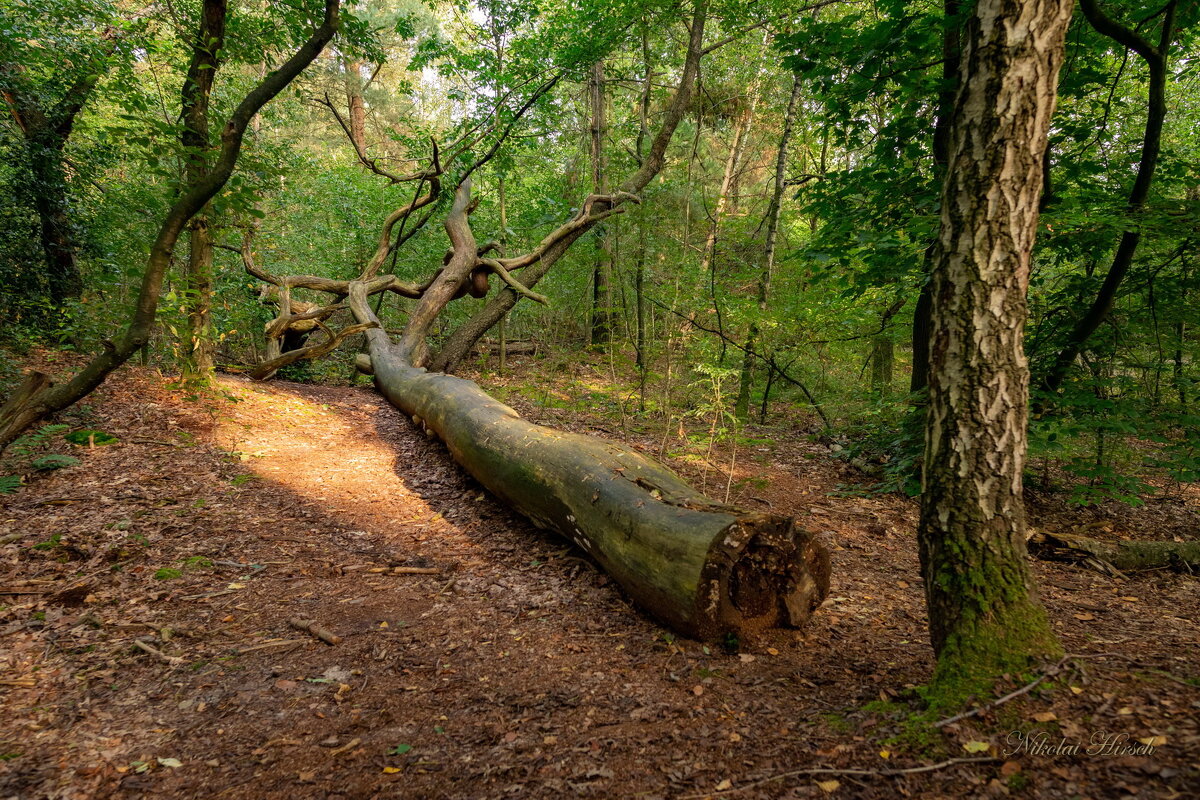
column 975, row 656
column 837, row 723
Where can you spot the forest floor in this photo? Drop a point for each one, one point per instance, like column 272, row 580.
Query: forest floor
column 145, row 648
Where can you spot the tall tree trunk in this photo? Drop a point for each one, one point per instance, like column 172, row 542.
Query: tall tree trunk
column 63, row 280
column 639, row 274
column 882, row 358
column 195, row 101
column 190, row 201
column 639, row 296
column 742, row 407
column 1156, row 112
column 951, row 59
column 602, row 261
column 201, row 359
column 708, row 259
column 46, row 131
column 356, row 108
column 984, row 615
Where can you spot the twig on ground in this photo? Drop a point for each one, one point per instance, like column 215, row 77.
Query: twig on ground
column 273, row 643
column 159, row 654
column 311, row 626
column 867, row 772
column 350, row 745
column 207, row 595
column 24, row 683
column 999, row 701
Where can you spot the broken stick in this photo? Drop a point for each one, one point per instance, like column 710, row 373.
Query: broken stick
column 159, row 654
column 311, row 626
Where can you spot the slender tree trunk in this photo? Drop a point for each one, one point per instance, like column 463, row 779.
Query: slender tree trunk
column 63, row 280
column 201, row 361
column 46, row 132
column 639, row 274
column 356, row 108
column 196, row 99
column 883, row 351
column 639, row 292
column 742, row 406
column 602, row 312
column 984, row 615
column 882, row 358
column 708, row 260
column 1156, row 112
column 941, row 138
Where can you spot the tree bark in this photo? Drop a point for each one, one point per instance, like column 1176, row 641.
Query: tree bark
column 46, row 131
column 602, row 262
column 984, row 615
column 951, row 61
column 1156, row 112
column 742, row 406
column 190, row 201
column 704, row 569
column 1126, row 556
column 639, row 269
column 708, row 258
column 194, row 105
column 63, row 279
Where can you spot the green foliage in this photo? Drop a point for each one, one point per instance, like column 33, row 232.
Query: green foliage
column 49, row 544
column 28, row 453
column 53, row 461
column 90, row 437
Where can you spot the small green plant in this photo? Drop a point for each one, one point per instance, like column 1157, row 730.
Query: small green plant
column 49, row 544
column 90, row 437
column 27, row 452
column 241, row 480
column 167, row 574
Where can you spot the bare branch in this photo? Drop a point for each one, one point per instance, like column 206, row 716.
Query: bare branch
column 311, row 351
column 516, row 285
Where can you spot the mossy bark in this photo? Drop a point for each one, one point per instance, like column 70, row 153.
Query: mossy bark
column 1129, row 556
column 984, row 615
column 702, row 568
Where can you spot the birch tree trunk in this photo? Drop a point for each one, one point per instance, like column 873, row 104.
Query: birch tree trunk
column 984, row 615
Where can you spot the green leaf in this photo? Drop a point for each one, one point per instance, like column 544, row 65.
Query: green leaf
column 399, row 749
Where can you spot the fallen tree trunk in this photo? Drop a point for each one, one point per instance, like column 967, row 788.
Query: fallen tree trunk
column 704, row 569
column 1126, row 556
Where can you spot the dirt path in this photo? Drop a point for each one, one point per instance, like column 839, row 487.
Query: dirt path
column 516, row 670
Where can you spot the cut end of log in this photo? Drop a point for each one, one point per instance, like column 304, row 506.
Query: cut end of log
column 763, row 573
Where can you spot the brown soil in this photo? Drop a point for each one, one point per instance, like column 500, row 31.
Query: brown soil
column 517, row 670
